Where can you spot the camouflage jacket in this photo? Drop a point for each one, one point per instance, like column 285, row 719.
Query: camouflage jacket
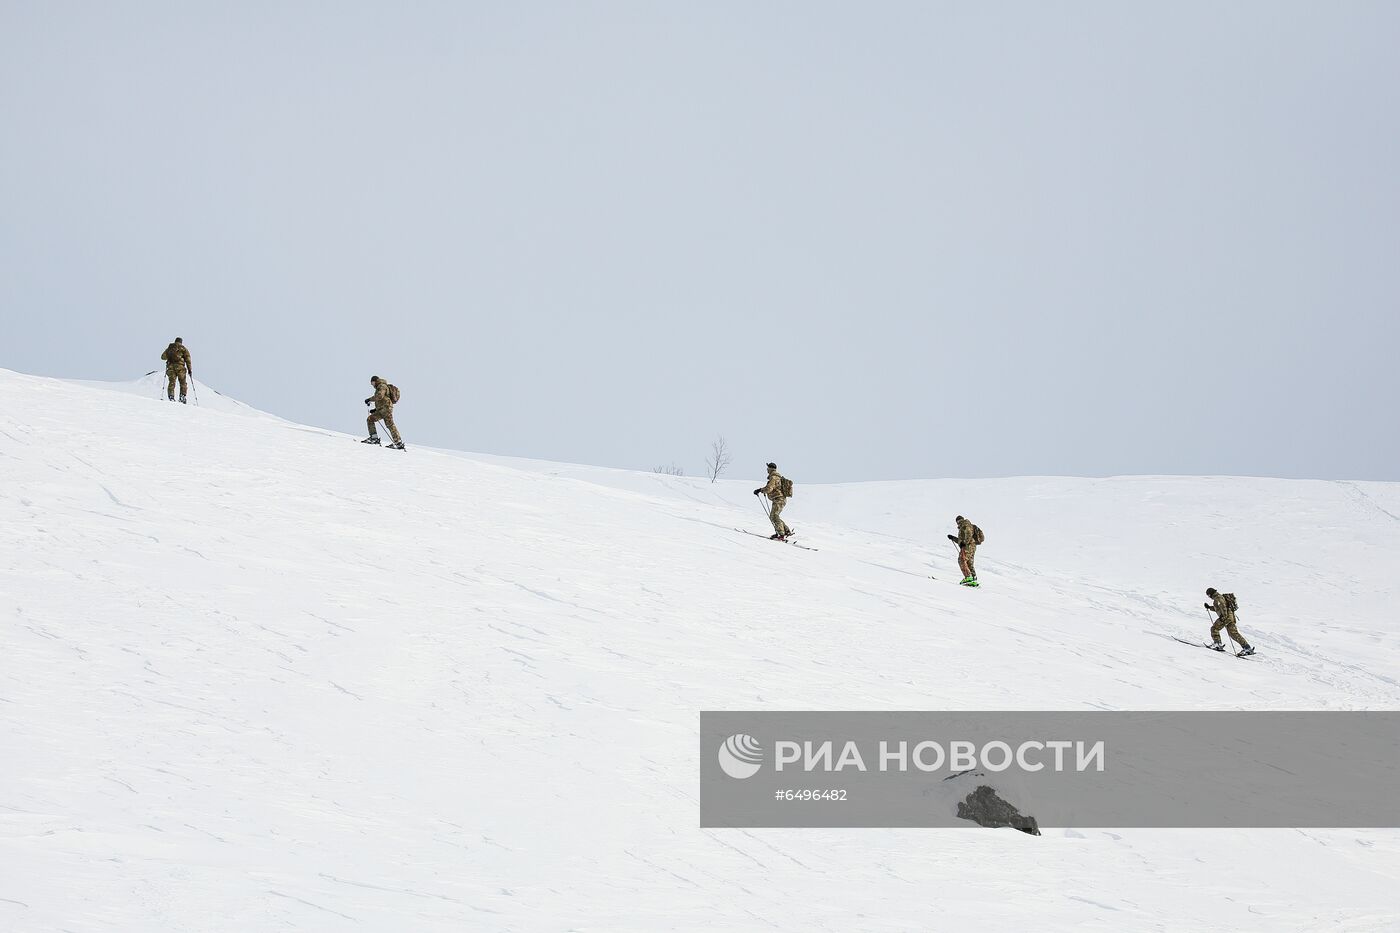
column 1221, row 608
column 177, row 358
column 773, row 489
column 380, row 398
column 966, row 538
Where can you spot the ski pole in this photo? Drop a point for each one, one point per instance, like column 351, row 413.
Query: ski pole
column 767, row 512
column 194, row 390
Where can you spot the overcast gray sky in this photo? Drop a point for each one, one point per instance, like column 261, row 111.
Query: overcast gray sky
column 867, row 240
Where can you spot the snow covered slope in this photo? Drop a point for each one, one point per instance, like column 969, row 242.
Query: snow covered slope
column 256, row 676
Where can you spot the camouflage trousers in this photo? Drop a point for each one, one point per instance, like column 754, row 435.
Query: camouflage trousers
column 171, row 375
column 387, row 417
column 965, row 558
column 1228, row 624
column 775, row 513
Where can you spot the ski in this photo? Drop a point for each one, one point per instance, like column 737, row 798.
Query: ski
column 1201, row 644
column 767, row 538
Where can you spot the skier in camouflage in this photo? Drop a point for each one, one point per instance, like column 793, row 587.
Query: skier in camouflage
column 382, row 405
column 773, row 489
column 177, row 367
column 967, row 539
column 1224, row 618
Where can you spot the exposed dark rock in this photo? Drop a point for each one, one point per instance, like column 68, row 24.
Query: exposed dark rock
column 985, row 808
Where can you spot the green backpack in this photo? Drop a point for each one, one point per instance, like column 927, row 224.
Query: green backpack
column 785, row 487
column 394, row 393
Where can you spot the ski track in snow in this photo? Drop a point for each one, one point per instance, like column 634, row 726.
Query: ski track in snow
column 256, row 677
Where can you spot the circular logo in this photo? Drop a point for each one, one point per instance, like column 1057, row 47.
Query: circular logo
column 741, row 756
